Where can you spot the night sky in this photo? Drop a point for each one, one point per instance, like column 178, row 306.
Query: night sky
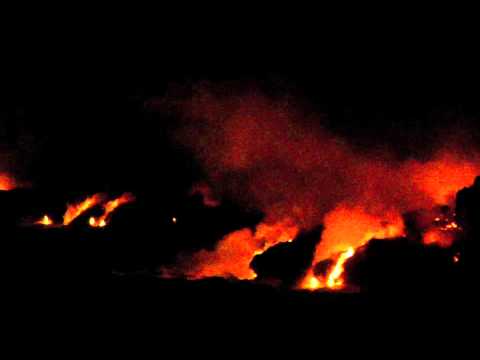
column 91, row 116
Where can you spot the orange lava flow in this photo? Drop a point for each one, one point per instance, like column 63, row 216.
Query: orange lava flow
column 346, row 229
column 334, row 279
column 75, row 210
column 6, row 182
column 234, row 253
column 45, row 221
column 109, row 207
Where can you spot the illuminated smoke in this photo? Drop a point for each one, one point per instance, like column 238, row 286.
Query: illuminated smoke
column 268, row 154
column 207, row 194
column 6, row 182
column 345, row 230
column 234, row 253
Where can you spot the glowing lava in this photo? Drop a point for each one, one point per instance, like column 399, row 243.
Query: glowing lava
column 442, row 177
column 346, row 229
column 93, row 222
column 75, row 210
column 108, row 208
column 234, row 253
column 269, row 154
column 334, row 279
column 311, row 282
column 207, row 194
column 45, row 221
column 443, row 233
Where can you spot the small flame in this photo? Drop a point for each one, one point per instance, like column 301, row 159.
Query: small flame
column 94, row 222
column 456, row 258
column 45, row 221
column 174, row 220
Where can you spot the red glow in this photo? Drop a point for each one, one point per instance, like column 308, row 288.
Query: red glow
column 6, row 182
column 234, row 253
column 346, row 229
column 270, row 155
column 441, row 178
column 45, row 221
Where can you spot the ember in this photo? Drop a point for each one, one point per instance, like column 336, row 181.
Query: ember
column 6, row 182
column 456, row 258
column 443, row 232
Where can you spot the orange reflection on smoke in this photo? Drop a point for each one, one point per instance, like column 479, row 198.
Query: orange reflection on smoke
column 93, row 222
column 443, row 177
column 346, row 229
column 6, row 182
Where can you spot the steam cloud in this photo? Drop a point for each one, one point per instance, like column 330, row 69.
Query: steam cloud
column 269, row 154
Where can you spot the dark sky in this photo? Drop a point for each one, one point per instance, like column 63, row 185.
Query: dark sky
column 72, row 112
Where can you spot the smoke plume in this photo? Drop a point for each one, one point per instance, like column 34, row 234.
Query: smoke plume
column 271, row 154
